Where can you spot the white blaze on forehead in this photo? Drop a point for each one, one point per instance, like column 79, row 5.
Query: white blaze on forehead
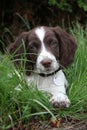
column 40, row 32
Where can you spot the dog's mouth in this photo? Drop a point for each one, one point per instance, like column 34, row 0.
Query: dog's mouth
column 47, row 71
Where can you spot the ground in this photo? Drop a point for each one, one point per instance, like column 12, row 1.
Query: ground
column 65, row 125
column 68, row 126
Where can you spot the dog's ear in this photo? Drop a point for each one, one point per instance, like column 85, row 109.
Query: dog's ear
column 18, row 48
column 67, row 46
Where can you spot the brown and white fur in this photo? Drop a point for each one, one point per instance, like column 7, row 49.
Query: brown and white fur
column 47, row 48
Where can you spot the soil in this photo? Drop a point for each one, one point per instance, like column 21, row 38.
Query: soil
column 46, row 125
column 67, row 126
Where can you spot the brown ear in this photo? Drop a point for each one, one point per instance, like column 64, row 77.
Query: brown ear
column 18, row 48
column 67, row 46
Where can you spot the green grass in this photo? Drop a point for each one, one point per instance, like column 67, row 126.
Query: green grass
column 20, row 102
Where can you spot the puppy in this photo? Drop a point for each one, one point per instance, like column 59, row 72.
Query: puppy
column 47, row 51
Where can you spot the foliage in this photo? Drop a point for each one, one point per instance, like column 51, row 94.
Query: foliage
column 68, row 5
column 82, row 4
column 20, row 102
column 63, row 5
column 24, row 20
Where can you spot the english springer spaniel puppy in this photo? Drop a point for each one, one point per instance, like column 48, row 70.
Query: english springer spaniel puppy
column 47, row 51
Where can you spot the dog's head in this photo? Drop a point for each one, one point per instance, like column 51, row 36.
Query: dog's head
column 45, row 49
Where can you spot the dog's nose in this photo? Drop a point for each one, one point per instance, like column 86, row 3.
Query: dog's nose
column 46, row 63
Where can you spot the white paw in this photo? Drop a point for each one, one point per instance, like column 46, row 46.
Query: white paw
column 61, row 100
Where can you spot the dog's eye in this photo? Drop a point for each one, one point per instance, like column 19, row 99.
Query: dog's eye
column 54, row 43
column 33, row 47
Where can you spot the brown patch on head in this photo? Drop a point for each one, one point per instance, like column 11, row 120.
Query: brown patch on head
column 34, row 43
column 25, row 50
column 67, row 46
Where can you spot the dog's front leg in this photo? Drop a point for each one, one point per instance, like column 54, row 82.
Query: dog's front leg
column 58, row 90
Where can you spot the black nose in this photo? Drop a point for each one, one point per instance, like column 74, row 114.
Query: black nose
column 46, row 63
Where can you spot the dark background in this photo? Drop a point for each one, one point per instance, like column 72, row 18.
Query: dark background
column 64, row 13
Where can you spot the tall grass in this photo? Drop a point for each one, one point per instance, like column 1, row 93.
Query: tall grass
column 20, row 102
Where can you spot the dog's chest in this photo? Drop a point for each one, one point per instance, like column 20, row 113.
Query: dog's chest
column 48, row 83
column 44, row 83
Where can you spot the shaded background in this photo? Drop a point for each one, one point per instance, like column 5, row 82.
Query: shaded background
column 14, row 14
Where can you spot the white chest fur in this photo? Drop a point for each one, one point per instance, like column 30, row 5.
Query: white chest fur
column 53, row 84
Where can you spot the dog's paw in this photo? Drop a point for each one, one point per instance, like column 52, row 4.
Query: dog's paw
column 60, row 101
